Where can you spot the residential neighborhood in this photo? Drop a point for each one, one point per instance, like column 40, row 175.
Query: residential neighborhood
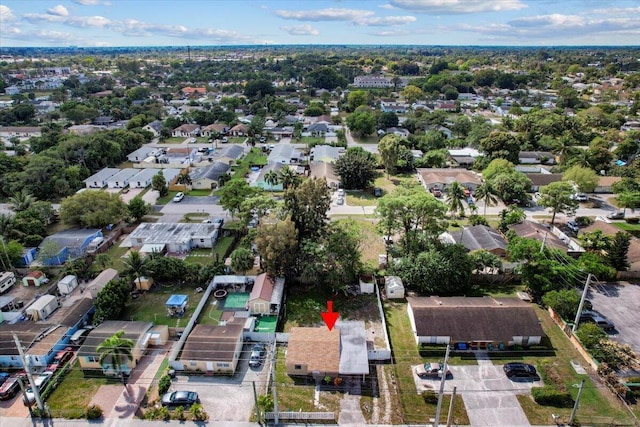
column 177, row 228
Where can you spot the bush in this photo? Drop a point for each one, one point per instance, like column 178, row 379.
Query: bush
column 430, row 397
column 93, row 412
column 164, row 384
column 634, row 220
column 477, row 220
column 549, row 396
column 584, row 221
column 198, row 413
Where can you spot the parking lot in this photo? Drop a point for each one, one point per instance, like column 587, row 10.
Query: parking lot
column 619, row 303
column 228, row 398
column 489, row 396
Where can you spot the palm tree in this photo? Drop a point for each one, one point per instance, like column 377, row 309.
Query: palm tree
column 135, row 264
column 116, row 350
column 272, row 178
column 487, row 194
column 22, row 200
column 184, row 179
column 455, row 196
column 103, row 261
column 289, row 177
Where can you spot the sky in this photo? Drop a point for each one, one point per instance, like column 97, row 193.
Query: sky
column 90, row 23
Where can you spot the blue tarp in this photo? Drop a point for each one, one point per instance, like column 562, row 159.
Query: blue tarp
column 177, row 300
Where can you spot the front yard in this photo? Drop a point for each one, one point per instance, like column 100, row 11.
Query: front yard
column 73, row 394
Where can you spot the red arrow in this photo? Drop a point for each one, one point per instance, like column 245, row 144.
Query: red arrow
column 329, row 316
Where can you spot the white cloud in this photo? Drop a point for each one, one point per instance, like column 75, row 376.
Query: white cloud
column 58, row 10
column 453, row 7
column 386, row 6
column 42, row 37
column 300, row 30
column 92, row 2
column 330, row 14
column 5, row 14
column 387, row 21
column 72, row 21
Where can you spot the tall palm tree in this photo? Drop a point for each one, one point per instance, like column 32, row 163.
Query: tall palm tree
column 135, row 264
column 289, row 177
column 272, row 178
column 22, row 200
column 184, row 179
column 455, row 196
column 487, row 194
column 103, row 261
column 116, row 350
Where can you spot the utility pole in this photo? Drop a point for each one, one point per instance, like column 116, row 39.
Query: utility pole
column 544, row 240
column 27, row 368
column 441, row 392
column 255, row 399
column 276, row 415
column 450, row 415
column 584, row 296
column 575, row 405
column 24, row 395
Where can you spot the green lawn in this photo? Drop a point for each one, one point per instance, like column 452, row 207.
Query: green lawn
column 173, row 140
column 73, row 394
column 388, row 184
column 150, row 306
column 115, row 254
column 361, row 198
column 406, row 354
column 371, row 241
column 210, row 314
column 634, row 229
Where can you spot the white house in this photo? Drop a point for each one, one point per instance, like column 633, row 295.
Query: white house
column 99, row 179
column 143, row 178
column 121, row 179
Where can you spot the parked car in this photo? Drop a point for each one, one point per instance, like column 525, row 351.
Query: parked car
column 253, row 223
column 581, row 197
column 258, row 353
column 180, row 398
column 40, row 381
column 516, row 370
column 616, row 215
column 431, row 370
column 178, row 197
column 340, row 193
column 9, row 387
column 592, row 316
column 377, row 192
column 193, row 141
column 470, row 201
column 573, row 226
column 340, row 201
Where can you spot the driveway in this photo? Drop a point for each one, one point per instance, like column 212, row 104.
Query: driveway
column 489, row 396
column 228, row 398
column 619, row 303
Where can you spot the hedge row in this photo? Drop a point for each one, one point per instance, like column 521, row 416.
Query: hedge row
column 549, row 396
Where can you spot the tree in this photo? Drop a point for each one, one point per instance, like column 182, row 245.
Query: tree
column 242, row 260
column 586, row 179
column 618, row 251
column 356, row 168
column 103, row 261
column 387, row 119
column 258, row 88
column 511, row 186
column 137, row 208
column 565, row 302
column 502, row 145
column 497, row 167
column 93, row 209
column 21, row 200
column 116, row 351
column 257, row 205
column 362, row 122
column 357, row 98
column 272, row 178
column 389, row 150
column 486, row 194
column 167, row 269
column 233, row 193
column 558, row 197
column 628, row 200
column 111, row 301
column 445, row 271
column 455, row 196
column 308, row 205
column 135, row 264
column 159, row 183
column 48, row 252
column 276, row 243
column 289, row 177
column 325, row 78
column 413, row 213
column 412, row 93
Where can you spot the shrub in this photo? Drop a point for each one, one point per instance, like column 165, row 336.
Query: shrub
column 584, row 221
column 549, row 396
column 93, row 412
column 198, row 413
column 430, row 397
column 164, row 384
column 633, row 220
column 477, row 220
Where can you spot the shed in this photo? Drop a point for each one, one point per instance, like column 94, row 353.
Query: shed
column 143, row 283
column 42, row 307
column 393, row 287
column 34, row 278
column 67, row 284
column 102, row 280
column 177, row 305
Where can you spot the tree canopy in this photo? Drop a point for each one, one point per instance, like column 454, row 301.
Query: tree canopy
column 93, row 209
column 356, row 168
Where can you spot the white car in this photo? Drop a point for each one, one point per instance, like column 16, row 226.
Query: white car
column 178, row 197
column 41, row 381
column 340, row 193
column 340, row 201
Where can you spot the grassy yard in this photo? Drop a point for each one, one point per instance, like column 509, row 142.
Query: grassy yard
column 406, row 354
column 597, row 404
column 72, row 396
column 388, row 184
column 631, row 228
column 173, row 140
column 115, row 254
column 210, row 314
column 300, row 397
column 372, row 244
column 361, row 198
column 150, row 306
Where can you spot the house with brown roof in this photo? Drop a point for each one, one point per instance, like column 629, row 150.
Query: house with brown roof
column 540, row 179
column 193, row 90
column 481, row 237
column 326, row 171
column 551, row 237
column 320, row 352
column 240, row 129
column 605, row 185
column 213, row 349
column 213, row 129
column 186, row 130
column 474, row 322
column 440, row 178
column 266, row 295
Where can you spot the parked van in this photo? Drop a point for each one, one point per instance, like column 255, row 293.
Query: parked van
column 7, row 280
column 77, row 339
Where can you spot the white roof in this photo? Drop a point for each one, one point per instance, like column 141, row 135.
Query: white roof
column 354, row 358
column 123, row 175
column 144, row 175
column 102, row 175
